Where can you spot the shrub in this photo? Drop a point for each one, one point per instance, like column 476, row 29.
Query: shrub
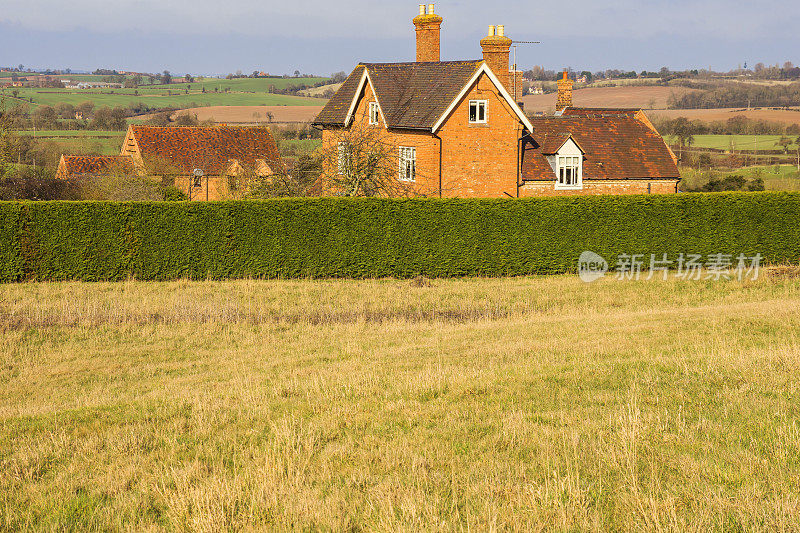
column 357, row 238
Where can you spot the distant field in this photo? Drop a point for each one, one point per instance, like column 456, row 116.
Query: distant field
column 317, row 91
column 70, row 133
column 295, row 147
column 776, row 177
column 710, row 115
column 155, row 97
column 737, row 142
column 259, row 85
column 522, row 404
column 82, row 142
column 640, row 97
column 256, row 114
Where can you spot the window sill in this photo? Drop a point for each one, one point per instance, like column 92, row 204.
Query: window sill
column 569, row 188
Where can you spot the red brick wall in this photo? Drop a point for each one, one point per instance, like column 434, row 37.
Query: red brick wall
column 480, row 160
column 217, row 188
column 595, row 187
column 427, row 146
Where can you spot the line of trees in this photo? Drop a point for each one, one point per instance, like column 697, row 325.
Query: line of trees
column 737, row 125
column 740, row 95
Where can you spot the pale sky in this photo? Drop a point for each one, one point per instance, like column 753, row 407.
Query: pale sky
column 216, row 37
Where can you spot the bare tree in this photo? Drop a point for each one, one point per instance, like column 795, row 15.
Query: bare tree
column 362, row 161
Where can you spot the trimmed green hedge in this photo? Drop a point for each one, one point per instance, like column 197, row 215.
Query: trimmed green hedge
column 357, row 238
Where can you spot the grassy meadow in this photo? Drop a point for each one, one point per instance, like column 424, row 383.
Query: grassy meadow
column 526, row 404
column 776, row 177
column 746, row 143
column 175, row 95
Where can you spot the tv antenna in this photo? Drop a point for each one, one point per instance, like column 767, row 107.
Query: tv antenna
column 514, row 46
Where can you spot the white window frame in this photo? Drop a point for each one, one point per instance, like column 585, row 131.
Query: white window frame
column 478, row 105
column 565, row 163
column 345, row 162
column 408, row 164
column 374, row 114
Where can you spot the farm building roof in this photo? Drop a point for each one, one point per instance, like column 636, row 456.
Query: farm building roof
column 212, row 149
column 616, row 146
column 78, row 166
column 411, row 95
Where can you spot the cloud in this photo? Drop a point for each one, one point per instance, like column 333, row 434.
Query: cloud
column 384, row 18
column 320, row 35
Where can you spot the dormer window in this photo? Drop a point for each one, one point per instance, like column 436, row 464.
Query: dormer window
column 569, row 172
column 374, row 113
column 477, row 111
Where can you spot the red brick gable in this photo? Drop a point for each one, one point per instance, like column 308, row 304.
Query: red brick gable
column 616, row 147
column 411, row 95
column 213, row 149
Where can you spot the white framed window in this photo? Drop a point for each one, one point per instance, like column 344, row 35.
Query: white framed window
column 408, row 164
column 374, row 114
column 345, row 158
column 477, row 111
column 569, row 172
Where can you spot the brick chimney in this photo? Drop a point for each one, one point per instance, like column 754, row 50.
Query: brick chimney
column 564, row 93
column 496, row 51
column 428, row 26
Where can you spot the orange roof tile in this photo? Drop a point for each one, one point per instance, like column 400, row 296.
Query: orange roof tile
column 85, row 166
column 616, row 146
column 212, row 149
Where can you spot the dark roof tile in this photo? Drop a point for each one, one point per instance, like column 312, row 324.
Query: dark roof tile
column 411, row 95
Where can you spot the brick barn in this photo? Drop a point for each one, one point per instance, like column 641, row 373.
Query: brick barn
column 204, row 162
column 456, row 129
column 84, row 166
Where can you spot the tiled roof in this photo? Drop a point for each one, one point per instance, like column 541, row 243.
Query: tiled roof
column 74, row 166
column 411, row 95
column 616, row 147
column 211, row 149
column 553, row 143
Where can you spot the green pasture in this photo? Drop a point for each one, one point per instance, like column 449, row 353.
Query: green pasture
column 776, row 177
column 256, row 85
column 70, row 133
column 736, row 142
column 87, row 145
column 298, row 146
column 176, row 96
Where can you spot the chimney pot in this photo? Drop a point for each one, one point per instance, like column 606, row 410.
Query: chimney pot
column 491, row 31
column 430, row 9
column 501, row 31
column 421, row 10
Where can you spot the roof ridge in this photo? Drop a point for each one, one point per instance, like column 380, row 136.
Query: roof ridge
column 404, row 63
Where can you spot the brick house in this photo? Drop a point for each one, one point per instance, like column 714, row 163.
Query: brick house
column 456, row 129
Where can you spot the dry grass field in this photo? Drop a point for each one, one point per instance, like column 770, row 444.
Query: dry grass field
column 255, row 114
column 645, row 97
column 784, row 116
column 527, row 404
